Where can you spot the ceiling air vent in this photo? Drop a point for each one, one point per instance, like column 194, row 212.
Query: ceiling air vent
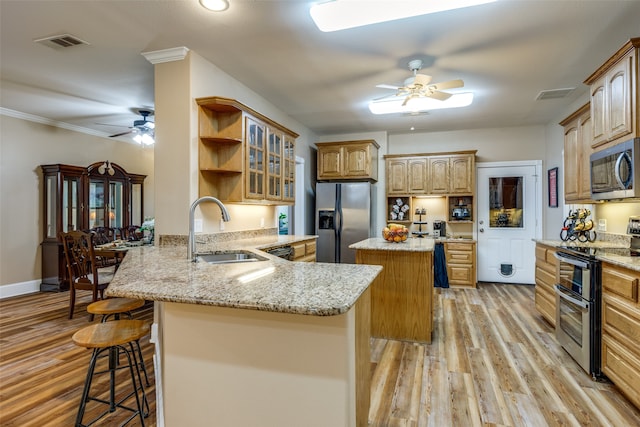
column 61, row 41
column 555, row 93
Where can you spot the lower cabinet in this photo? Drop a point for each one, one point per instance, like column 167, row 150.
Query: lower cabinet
column 546, row 278
column 304, row 251
column 461, row 263
column 621, row 329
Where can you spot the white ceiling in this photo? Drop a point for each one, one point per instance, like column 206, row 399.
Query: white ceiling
column 506, row 53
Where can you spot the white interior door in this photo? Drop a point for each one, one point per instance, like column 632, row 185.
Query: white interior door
column 509, row 211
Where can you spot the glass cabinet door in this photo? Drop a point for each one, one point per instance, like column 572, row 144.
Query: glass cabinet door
column 116, row 207
column 71, row 208
column 97, row 204
column 289, row 169
column 255, row 160
column 274, row 188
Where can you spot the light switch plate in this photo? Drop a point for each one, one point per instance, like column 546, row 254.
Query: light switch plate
column 602, row 224
column 197, row 225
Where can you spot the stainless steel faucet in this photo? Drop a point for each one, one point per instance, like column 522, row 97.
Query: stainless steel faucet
column 191, row 244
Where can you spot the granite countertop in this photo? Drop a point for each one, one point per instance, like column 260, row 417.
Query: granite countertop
column 274, row 284
column 607, row 255
column 409, row 245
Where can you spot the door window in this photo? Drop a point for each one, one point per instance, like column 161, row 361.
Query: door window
column 506, row 202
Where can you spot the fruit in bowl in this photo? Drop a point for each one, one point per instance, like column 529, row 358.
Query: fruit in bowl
column 395, row 233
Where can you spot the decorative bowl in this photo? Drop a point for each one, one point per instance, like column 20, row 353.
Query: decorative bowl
column 395, row 233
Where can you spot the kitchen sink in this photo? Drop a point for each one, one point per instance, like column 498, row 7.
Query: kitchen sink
column 230, row 257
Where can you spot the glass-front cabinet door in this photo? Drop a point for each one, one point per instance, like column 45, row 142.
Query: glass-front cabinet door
column 274, row 166
column 256, row 153
column 289, row 169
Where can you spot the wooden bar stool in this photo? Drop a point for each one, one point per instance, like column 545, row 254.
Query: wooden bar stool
column 113, row 337
column 116, row 307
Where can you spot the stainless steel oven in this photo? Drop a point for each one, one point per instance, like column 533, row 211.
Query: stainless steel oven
column 578, row 297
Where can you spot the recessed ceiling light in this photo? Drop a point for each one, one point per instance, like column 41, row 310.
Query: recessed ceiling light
column 342, row 14
column 215, row 5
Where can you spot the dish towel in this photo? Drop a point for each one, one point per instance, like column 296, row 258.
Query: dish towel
column 441, row 279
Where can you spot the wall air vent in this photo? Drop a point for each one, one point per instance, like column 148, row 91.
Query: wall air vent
column 555, row 93
column 61, row 41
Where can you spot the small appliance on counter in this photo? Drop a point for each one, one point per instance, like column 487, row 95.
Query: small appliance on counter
column 439, row 229
column 633, row 229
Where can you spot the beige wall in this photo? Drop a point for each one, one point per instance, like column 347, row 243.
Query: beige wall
column 177, row 85
column 24, row 145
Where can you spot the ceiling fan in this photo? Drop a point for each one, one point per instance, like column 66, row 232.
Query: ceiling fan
column 140, row 127
column 420, row 86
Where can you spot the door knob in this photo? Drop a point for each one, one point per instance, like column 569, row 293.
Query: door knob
column 482, row 230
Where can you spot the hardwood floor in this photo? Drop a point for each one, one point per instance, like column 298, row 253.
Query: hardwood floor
column 42, row 372
column 493, row 362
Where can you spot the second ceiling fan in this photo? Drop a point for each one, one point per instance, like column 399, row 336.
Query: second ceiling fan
column 420, row 86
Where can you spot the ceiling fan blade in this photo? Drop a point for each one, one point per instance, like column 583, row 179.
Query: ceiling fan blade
column 440, row 96
column 121, row 134
column 451, row 84
column 387, row 87
column 421, row 79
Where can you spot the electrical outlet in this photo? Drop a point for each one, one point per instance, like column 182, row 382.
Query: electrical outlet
column 261, row 222
column 197, row 225
column 602, row 224
column 221, row 224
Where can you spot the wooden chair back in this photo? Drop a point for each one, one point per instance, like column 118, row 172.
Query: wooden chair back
column 82, row 266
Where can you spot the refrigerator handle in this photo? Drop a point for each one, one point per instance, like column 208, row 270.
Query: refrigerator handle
column 338, row 221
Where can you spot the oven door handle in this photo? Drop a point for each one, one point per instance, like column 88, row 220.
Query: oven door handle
column 573, row 261
column 563, row 293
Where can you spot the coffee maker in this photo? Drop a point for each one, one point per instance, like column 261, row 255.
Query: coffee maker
column 439, row 229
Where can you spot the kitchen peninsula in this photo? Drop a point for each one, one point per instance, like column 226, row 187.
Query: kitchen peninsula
column 402, row 295
column 266, row 343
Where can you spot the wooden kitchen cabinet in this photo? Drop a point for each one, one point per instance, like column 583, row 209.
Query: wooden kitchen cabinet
column 243, row 156
column 304, row 251
column 438, row 175
column 348, row 160
column 461, row 263
column 407, row 176
column 614, row 97
column 546, row 279
column 431, row 174
column 577, row 150
column 621, row 329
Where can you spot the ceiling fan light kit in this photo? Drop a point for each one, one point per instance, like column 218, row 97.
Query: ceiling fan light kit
column 343, row 14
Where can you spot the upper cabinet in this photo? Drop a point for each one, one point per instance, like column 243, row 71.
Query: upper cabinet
column 348, row 160
column 577, row 150
column 428, row 174
column 614, row 97
column 244, row 157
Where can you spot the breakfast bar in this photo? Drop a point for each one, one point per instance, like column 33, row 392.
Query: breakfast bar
column 266, row 343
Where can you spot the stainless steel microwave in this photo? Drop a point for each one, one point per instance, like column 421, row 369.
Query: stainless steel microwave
column 615, row 171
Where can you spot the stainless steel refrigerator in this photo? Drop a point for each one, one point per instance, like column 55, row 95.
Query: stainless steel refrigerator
column 343, row 217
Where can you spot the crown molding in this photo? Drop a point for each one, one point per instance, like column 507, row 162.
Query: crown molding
column 49, row 122
column 166, row 55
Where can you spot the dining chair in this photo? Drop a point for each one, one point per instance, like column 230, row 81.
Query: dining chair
column 82, row 267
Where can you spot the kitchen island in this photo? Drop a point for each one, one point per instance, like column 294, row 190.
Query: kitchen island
column 266, row 343
column 402, row 295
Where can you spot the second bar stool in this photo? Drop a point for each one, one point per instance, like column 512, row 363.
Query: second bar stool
column 114, row 337
column 117, row 307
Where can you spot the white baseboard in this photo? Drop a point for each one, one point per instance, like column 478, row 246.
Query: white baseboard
column 15, row 289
